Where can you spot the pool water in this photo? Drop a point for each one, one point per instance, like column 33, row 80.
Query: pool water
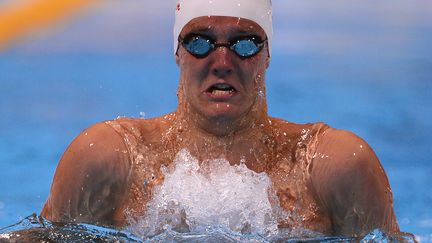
column 37, row 229
column 373, row 77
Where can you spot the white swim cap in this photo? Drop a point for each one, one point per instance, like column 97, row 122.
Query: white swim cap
column 259, row 11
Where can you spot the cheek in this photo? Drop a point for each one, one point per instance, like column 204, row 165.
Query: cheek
column 255, row 75
column 190, row 68
column 258, row 80
column 181, row 61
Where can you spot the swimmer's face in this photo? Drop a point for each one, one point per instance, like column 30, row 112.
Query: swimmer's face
column 222, row 85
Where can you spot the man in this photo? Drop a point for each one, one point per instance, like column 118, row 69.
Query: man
column 329, row 179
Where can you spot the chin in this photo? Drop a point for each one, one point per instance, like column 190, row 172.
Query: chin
column 222, row 112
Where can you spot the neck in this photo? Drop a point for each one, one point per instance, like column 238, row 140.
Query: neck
column 222, row 127
column 253, row 144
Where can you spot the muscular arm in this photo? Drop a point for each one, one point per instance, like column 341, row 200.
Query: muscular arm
column 91, row 180
column 352, row 185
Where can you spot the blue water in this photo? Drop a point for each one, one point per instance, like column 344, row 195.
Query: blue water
column 37, row 229
column 369, row 75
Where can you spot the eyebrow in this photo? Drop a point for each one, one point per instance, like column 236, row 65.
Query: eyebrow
column 199, row 29
column 235, row 32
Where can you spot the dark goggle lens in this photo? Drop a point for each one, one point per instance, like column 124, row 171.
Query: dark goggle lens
column 201, row 46
column 198, row 46
column 246, row 48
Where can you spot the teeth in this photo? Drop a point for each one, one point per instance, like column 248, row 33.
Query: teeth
column 221, row 92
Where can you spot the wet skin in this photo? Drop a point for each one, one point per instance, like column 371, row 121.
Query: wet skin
column 329, row 179
column 229, row 112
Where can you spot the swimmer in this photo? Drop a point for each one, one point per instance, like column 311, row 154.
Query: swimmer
column 331, row 178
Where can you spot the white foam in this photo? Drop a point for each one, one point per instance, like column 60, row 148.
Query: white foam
column 214, row 193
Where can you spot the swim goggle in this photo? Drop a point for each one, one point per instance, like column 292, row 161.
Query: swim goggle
column 201, row 46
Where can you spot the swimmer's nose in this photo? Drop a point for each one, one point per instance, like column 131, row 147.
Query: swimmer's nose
column 222, row 65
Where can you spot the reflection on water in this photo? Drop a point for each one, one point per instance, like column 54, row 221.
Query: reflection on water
column 37, row 229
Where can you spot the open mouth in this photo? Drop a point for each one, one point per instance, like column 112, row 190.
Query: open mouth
column 221, row 89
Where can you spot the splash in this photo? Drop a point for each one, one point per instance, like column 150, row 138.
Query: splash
column 195, row 196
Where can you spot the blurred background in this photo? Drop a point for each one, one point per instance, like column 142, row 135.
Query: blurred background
column 365, row 66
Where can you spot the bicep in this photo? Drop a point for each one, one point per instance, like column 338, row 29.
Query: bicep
column 352, row 184
column 90, row 180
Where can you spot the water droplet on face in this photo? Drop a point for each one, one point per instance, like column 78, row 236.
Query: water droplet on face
column 91, row 145
column 258, row 80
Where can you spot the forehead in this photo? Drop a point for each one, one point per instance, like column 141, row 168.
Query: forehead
column 224, row 24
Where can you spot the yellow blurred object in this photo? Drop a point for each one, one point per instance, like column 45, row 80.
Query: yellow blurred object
column 18, row 19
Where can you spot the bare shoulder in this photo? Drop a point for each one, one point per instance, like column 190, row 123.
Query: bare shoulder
column 347, row 149
column 351, row 184
column 141, row 130
column 93, row 178
column 342, row 153
column 90, row 179
column 295, row 130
